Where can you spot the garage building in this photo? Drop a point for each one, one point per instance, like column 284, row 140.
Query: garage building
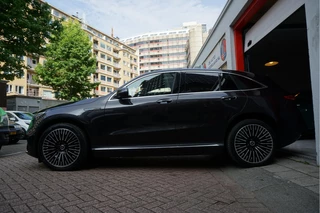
column 274, row 38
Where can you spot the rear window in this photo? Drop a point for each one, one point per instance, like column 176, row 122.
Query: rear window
column 245, row 83
column 227, row 83
column 200, row 82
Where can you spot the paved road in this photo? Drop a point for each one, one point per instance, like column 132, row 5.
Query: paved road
column 162, row 184
column 13, row 149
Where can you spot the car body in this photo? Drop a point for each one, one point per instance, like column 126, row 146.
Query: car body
column 20, row 117
column 9, row 133
column 4, row 128
column 169, row 112
column 16, row 133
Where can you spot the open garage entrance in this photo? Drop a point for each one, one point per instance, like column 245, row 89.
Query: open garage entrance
column 286, row 45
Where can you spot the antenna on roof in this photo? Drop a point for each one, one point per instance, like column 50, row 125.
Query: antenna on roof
column 111, row 31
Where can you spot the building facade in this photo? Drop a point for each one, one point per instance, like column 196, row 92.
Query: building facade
column 168, row 49
column 117, row 63
column 278, row 39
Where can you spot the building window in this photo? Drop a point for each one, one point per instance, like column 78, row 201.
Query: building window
column 109, row 79
column 102, row 56
column 108, row 48
column 19, row 89
column 55, row 13
column 103, row 89
column 103, row 67
column 109, row 69
column 109, row 58
column 109, row 89
column 103, row 78
column 9, row 88
column 102, row 45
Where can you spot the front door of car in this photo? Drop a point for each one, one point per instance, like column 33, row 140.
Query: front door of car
column 205, row 109
column 146, row 116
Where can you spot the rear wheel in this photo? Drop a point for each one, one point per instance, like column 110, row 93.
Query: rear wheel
column 63, row 147
column 251, row 143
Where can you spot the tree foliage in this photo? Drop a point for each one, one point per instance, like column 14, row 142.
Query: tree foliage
column 25, row 27
column 69, row 64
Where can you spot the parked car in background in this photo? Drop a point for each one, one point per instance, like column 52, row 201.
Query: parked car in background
column 4, row 128
column 21, row 118
column 170, row 112
column 9, row 133
column 16, row 133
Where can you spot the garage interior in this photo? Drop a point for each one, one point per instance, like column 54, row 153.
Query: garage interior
column 287, row 44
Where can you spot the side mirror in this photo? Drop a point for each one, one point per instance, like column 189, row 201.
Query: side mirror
column 122, row 93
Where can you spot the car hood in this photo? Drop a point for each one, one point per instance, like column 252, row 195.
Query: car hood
column 78, row 106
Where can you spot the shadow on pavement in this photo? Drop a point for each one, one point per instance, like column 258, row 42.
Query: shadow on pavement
column 217, row 161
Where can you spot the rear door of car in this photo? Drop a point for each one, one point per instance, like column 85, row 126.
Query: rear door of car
column 205, row 109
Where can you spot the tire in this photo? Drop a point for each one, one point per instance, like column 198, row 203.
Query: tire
column 24, row 134
column 63, row 147
column 251, row 143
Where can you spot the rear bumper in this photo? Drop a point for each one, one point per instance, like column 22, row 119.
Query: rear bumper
column 290, row 128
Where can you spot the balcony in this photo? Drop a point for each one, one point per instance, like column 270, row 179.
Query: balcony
column 116, row 75
column 33, row 92
column 133, row 62
column 32, row 63
column 31, row 82
column 116, row 65
column 116, row 55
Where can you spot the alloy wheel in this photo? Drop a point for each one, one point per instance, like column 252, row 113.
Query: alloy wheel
column 253, row 143
column 61, row 147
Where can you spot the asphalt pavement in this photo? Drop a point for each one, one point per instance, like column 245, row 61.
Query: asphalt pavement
column 162, row 184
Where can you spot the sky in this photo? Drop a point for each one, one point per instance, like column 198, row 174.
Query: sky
column 130, row 18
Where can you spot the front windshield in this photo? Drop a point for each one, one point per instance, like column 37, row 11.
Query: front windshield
column 24, row 115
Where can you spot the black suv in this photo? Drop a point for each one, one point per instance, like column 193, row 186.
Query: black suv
column 170, row 112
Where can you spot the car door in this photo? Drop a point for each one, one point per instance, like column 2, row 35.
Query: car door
column 146, row 117
column 205, row 109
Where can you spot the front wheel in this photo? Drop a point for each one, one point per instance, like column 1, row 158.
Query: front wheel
column 251, row 143
column 63, row 147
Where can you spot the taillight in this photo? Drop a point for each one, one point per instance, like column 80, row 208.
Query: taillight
column 291, row 97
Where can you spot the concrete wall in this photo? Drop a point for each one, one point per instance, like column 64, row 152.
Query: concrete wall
column 312, row 16
column 30, row 104
column 222, row 28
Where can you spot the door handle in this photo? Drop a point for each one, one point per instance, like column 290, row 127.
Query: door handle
column 164, row 101
column 229, row 98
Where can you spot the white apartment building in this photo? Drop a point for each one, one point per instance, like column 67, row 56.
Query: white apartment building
column 117, row 63
column 168, row 49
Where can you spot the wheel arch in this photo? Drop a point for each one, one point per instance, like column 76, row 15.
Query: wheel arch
column 62, row 119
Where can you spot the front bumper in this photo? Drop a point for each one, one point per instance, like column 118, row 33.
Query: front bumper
column 31, row 147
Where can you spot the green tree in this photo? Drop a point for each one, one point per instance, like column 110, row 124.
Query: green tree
column 25, row 27
column 69, row 64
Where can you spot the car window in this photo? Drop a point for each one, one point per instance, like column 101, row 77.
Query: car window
column 23, row 116
column 157, row 84
column 200, row 82
column 226, row 83
column 11, row 116
column 245, row 83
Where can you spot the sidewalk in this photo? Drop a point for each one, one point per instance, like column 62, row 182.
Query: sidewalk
column 290, row 184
